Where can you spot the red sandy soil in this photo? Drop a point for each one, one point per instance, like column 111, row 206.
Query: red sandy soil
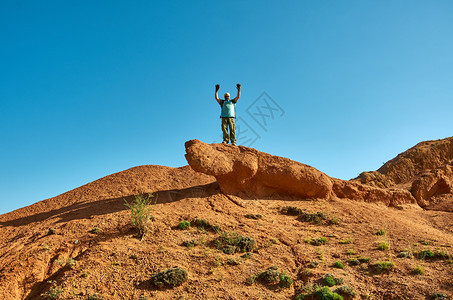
column 30, row 257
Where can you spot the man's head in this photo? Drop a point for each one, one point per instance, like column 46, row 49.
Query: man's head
column 227, row 96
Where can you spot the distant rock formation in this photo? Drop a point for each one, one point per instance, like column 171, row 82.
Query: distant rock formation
column 254, row 173
column 426, row 168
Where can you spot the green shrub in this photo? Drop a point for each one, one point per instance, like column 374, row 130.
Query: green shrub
column 418, row 270
column 325, row 293
column 232, row 262
column 439, row 296
column 95, row 297
column 183, row 225
column 140, row 211
column 285, row 281
column 345, row 290
column 54, row 291
column 354, row 261
column 338, row 264
column 189, row 243
column 169, row 278
column 319, row 241
column 380, row 232
column 404, row 254
column 383, row 266
column 201, row 223
column 382, row 245
column 427, row 253
column 347, row 241
column 328, row 280
column 331, row 280
column 95, row 230
column 269, row 276
column 291, row 210
column 350, row 252
column 241, row 243
column 364, row 259
column 316, row 218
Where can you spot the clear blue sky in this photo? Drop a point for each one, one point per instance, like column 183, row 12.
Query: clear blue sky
column 90, row 88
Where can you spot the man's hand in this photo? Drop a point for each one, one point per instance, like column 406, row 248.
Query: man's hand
column 238, row 86
column 217, row 87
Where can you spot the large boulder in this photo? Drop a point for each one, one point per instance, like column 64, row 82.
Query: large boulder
column 245, row 170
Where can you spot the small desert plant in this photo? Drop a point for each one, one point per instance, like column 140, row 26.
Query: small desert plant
column 141, row 212
column 383, row 245
column 345, row 290
column 364, row 259
column 95, row 297
column 71, row 262
column 439, row 296
column 405, row 254
column 380, row 232
column 319, row 241
column 316, row 218
column 54, row 291
column 270, row 276
column 291, row 210
column 418, row 270
column 233, row 262
column 51, row 231
column 251, row 279
column 313, row 264
column 347, row 241
column 325, row 293
column 247, row 255
column 229, row 240
column 427, row 253
column 183, row 225
column 285, row 281
column 338, row 264
column 134, row 256
column 95, row 230
column 46, row 247
column 383, row 266
column 350, row 252
column 201, row 223
column 354, row 261
column 331, row 280
column 307, row 291
column 169, row 278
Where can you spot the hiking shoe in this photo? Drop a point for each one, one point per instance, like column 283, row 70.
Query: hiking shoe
column 225, row 142
column 234, row 144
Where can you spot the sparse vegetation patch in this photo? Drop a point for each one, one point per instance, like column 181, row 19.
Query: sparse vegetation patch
column 234, row 242
column 141, row 212
column 169, row 278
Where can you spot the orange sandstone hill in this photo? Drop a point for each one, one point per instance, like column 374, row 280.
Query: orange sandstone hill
column 391, row 229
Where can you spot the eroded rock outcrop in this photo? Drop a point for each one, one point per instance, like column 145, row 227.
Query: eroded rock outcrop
column 254, row 173
column 425, row 168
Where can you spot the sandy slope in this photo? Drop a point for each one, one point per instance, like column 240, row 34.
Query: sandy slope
column 30, row 257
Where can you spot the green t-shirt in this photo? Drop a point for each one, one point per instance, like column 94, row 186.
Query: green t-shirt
column 228, row 108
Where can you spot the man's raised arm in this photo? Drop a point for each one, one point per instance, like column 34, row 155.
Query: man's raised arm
column 217, row 87
column 238, row 86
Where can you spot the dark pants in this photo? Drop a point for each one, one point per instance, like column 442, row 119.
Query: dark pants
column 229, row 122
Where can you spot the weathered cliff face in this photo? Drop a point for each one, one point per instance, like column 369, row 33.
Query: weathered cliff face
column 426, row 168
column 243, row 170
